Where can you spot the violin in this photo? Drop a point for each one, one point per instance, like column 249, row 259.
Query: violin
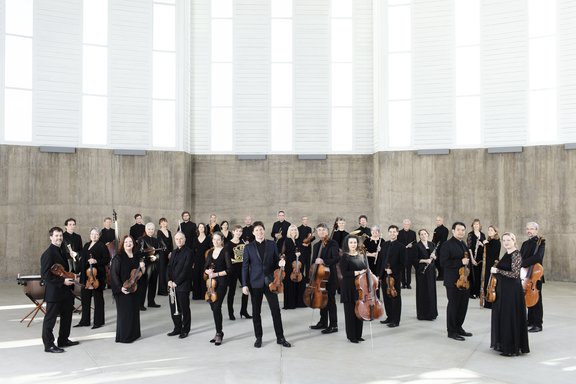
column 390, row 289
column 91, row 280
column 463, row 272
column 131, row 285
column 210, row 296
column 277, row 285
column 308, row 239
column 367, row 307
column 296, row 275
column 58, row 270
column 491, row 288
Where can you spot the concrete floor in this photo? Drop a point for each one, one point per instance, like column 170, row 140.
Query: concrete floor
column 415, row 352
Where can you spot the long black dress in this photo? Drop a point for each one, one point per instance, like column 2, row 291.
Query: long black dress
column 293, row 291
column 198, row 261
column 475, row 270
column 165, row 241
column 492, row 254
column 349, row 294
column 127, row 306
column 426, row 303
column 509, row 331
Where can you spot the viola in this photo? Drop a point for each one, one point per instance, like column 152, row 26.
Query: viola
column 58, row 270
column 296, row 275
column 91, row 280
column 277, row 285
column 308, row 239
column 211, row 295
column 463, row 272
column 491, row 288
column 367, row 307
column 390, row 288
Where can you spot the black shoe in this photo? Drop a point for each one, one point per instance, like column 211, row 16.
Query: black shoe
column 330, row 330
column 393, row 325
column 81, row 325
column 353, row 341
column 162, row 294
column 361, row 339
column 183, row 335
column 231, row 316
column 464, row 333
column 283, row 343
column 505, row 354
column 319, row 326
column 258, row 342
column 455, row 336
column 173, row 333
column 385, row 321
column 218, row 338
column 68, row 343
column 142, row 308
column 245, row 314
column 97, row 326
column 535, row 329
column 408, row 287
column 54, row 349
column 153, row 305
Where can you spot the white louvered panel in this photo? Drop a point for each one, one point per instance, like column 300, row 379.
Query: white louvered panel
column 183, row 40
column 251, row 76
column 432, row 73
column 567, row 71
column 130, row 63
column 57, row 67
column 200, row 76
column 2, row 58
column 311, row 76
column 363, row 78
column 504, row 72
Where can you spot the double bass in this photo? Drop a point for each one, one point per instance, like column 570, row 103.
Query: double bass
column 315, row 294
column 367, row 307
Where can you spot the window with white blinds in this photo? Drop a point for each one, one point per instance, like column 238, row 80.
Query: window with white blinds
column 18, row 73
column 281, row 84
column 542, row 64
column 95, row 72
column 342, row 50
column 467, row 85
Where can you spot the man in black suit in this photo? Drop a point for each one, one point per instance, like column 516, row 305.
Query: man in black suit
column 440, row 236
column 392, row 263
column 407, row 237
column 188, row 228
column 179, row 278
column 247, row 230
column 149, row 280
column 280, row 229
column 138, row 229
column 58, row 296
column 452, row 257
column 532, row 252
column 72, row 245
column 327, row 252
column 260, row 259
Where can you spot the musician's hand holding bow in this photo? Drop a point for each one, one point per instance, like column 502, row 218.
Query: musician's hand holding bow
column 465, row 261
column 493, row 270
column 389, row 271
column 319, row 261
column 281, row 263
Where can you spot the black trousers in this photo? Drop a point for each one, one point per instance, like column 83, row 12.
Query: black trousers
column 221, row 287
column 148, row 283
column 407, row 273
column 353, row 324
column 330, row 312
column 457, row 308
column 86, row 299
column 257, row 294
column 183, row 319
column 393, row 305
column 233, row 278
column 536, row 313
column 64, row 309
column 163, row 273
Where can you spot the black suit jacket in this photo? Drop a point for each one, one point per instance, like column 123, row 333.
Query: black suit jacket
column 259, row 269
column 180, row 268
column 55, row 288
column 393, row 254
column 331, row 256
column 451, row 255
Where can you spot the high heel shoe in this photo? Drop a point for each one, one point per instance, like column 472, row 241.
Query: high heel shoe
column 245, row 314
column 219, row 337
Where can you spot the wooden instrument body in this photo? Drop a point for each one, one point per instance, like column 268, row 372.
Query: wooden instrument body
column 211, row 295
column 315, row 294
column 491, row 288
column 277, row 285
column 131, row 285
column 367, row 307
column 296, row 275
column 531, row 291
column 463, row 272
column 91, row 279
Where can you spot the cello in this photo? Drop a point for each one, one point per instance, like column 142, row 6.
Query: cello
column 367, row 307
column 530, row 283
column 315, row 294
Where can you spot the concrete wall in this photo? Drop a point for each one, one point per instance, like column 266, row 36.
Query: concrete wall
column 40, row 190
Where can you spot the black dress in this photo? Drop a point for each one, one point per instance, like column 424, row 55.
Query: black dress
column 164, row 241
column 476, row 254
column 426, row 307
column 339, row 236
column 509, row 329
column 349, row 294
column 198, row 261
column 127, row 306
column 293, row 291
column 492, row 254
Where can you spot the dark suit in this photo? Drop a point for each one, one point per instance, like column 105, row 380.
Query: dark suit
column 393, row 255
column 257, row 273
column 530, row 256
column 407, row 237
column 330, row 254
column 58, row 297
column 451, row 255
column 137, row 231
column 440, row 236
column 179, row 272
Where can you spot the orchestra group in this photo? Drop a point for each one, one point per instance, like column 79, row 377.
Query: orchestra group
column 309, row 266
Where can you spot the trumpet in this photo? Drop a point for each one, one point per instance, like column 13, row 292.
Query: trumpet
column 172, row 294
